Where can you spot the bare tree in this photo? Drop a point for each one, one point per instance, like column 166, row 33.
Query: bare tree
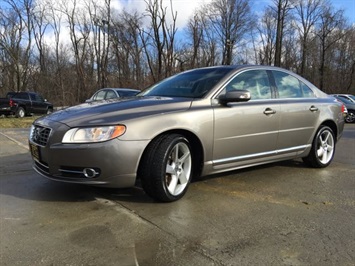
column 230, row 19
column 282, row 9
column 158, row 41
column 307, row 14
column 330, row 31
column 106, row 48
column 127, row 49
column 266, row 29
column 100, row 18
column 195, row 31
column 61, row 77
column 79, row 30
column 40, row 25
column 16, row 41
column 344, row 61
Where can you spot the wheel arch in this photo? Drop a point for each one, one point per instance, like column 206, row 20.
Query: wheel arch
column 196, row 146
column 332, row 125
column 23, row 106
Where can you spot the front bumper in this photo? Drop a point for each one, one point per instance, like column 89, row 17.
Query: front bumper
column 114, row 162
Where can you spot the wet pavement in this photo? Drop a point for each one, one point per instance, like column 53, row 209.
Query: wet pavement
column 277, row 214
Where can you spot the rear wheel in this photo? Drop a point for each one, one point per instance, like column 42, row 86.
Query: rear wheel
column 20, row 112
column 350, row 117
column 323, row 148
column 167, row 168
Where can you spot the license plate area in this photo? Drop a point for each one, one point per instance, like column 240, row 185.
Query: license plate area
column 35, row 152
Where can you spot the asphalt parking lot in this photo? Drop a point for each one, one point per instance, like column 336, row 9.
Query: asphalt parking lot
column 277, row 214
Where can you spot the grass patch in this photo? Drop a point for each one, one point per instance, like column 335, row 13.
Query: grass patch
column 13, row 122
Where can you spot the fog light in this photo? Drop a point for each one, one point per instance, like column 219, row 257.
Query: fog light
column 90, row 172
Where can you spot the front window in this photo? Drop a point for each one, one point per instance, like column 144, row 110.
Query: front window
column 192, row 84
column 255, row 81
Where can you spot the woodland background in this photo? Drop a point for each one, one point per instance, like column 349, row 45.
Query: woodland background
column 68, row 49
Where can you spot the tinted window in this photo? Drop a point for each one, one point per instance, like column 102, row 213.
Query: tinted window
column 100, row 95
column 255, row 81
column 288, row 86
column 10, row 94
column 110, row 94
column 127, row 93
column 23, row 96
column 36, row 97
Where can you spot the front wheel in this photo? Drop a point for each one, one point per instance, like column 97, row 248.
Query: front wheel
column 167, row 169
column 323, row 148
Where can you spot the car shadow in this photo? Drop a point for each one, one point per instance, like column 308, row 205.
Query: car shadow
column 18, row 179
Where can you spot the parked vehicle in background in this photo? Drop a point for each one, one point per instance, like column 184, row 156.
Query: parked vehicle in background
column 350, row 106
column 21, row 104
column 199, row 122
column 111, row 93
column 346, row 96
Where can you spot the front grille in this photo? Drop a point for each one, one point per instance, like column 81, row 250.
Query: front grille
column 40, row 135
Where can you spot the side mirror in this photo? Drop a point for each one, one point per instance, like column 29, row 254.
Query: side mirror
column 235, row 96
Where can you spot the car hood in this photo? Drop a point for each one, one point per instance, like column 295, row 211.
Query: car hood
column 117, row 110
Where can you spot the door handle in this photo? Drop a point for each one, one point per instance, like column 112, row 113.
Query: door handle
column 313, row 109
column 269, row 111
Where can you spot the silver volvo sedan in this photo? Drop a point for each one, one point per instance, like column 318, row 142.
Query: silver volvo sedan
column 199, row 122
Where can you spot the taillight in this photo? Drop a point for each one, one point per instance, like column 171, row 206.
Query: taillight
column 343, row 108
column 11, row 103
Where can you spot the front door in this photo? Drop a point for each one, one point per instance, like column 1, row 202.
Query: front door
column 246, row 132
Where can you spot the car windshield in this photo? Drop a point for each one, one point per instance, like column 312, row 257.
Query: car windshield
column 191, row 84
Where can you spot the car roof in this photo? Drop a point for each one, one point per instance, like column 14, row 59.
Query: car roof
column 119, row 89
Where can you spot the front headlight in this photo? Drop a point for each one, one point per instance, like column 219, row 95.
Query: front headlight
column 93, row 134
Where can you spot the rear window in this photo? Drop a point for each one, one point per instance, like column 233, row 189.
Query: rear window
column 289, row 86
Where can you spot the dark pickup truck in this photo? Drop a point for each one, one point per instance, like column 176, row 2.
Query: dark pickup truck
column 21, row 104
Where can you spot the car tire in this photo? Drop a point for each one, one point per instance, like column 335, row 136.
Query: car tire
column 20, row 112
column 350, row 117
column 166, row 170
column 49, row 111
column 323, row 148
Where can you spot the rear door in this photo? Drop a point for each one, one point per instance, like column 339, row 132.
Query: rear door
column 299, row 112
column 246, row 132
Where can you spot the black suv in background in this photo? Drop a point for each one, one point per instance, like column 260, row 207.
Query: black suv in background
column 21, row 104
